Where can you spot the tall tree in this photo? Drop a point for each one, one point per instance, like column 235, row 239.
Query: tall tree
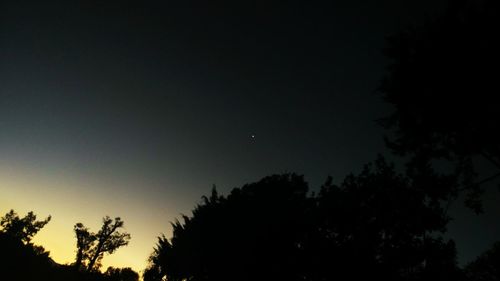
column 158, row 260
column 22, row 228
column 443, row 86
column 252, row 234
column 84, row 242
column 91, row 247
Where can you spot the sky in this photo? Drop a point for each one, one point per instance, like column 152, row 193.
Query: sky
column 136, row 108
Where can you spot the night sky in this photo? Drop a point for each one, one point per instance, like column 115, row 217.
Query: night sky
column 135, row 109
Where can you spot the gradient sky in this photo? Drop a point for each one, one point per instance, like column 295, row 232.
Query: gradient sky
column 136, row 108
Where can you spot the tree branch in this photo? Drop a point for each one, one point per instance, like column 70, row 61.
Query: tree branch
column 485, row 180
column 490, row 159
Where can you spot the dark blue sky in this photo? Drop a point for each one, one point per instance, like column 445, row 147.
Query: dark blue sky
column 149, row 103
column 189, row 83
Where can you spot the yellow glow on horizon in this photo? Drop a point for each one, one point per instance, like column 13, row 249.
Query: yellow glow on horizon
column 69, row 201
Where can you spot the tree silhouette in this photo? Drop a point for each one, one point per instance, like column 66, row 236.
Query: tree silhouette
column 24, row 228
column 380, row 225
column 252, row 234
column 19, row 258
column 121, row 274
column 444, row 92
column 486, row 267
column 157, row 267
column 376, row 225
column 20, row 261
column 91, row 247
column 84, row 241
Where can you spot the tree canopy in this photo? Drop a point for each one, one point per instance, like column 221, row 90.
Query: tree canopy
column 486, row 267
column 21, row 260
column 384, row 223
column 121, row 274
column 379, row 221
column 91, row 247
column 24, row 228
column 443, row 87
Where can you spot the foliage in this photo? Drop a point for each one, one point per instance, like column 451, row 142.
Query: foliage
column 20, row 260
column 121, row 274
column 91, row 247
column 382, row 222
column 379, row 221
column 444, row 93
column 486, row 267
column 84, row 242
column 24, row 228
column 249, row 235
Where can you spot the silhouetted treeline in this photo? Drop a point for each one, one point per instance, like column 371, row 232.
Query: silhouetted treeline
column 377, row 225
column 21, row 260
